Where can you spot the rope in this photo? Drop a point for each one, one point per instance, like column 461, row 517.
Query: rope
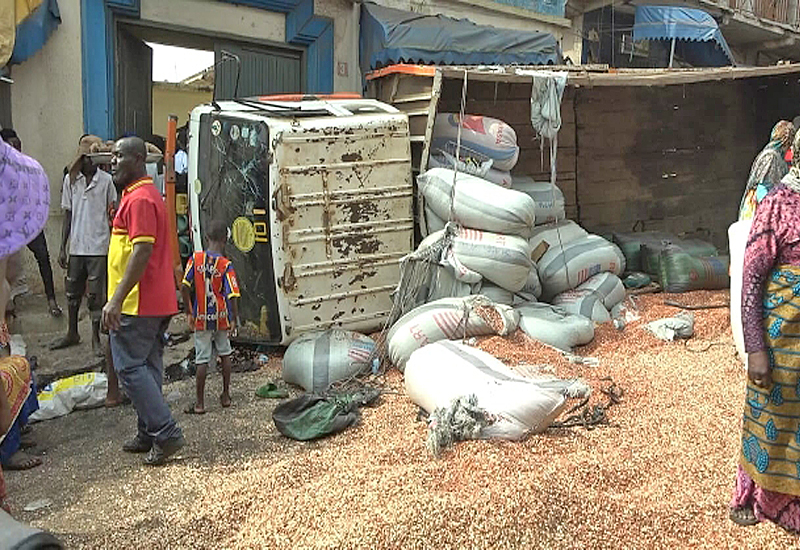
column 590, row 417
column 461, row 114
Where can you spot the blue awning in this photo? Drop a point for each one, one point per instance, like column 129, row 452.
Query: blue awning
column 34, row 30
column 701, row 41
column 390, row 36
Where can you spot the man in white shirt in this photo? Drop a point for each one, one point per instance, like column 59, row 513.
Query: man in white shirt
column 88, row 197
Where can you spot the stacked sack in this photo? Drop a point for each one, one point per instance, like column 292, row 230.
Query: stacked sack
column 677, row 264
column 489, row 147
column 578, row 272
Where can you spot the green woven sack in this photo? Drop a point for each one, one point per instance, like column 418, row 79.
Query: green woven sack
column 682, row 272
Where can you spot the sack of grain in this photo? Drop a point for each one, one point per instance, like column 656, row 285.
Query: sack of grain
column 478, row 203
column 501, row 259
column 737, row 241
column 318, row 359
column 586, row 303
column 460, row 271
column 651, row 252
column 608, row 286
column 564, row 268
column 433, row 222
column 495, row 293
column 448, row 319
column 545, row 237
column 681, row 272
column 444, row 284
column 554, row 326
column 532, row 284
column 443, row 372
column 631, row 245
column 548, row 198
column 482, row 170
column 482, row 138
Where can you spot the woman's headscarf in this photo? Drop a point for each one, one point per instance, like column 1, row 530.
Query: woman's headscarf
column 782, row 136
column 792, row 179
column 769, row 168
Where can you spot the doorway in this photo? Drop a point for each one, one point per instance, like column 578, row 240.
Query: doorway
column 235, row 68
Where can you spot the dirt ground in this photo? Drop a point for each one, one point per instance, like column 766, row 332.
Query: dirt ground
column 659, row 476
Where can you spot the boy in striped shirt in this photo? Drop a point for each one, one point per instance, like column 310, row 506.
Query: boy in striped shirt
column 212, row 310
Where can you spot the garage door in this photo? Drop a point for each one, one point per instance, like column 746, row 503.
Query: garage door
column 244, row 71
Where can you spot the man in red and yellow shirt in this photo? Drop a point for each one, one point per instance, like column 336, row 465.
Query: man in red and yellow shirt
column 141, row 287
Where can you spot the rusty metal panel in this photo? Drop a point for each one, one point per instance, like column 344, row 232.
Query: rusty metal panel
column 343, row 204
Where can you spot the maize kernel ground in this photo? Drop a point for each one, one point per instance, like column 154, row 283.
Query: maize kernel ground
column 658, row 476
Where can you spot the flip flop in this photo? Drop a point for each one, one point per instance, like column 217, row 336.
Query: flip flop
column 743, row 516
column 28, row 463
column 191, row 410
column 271, row 391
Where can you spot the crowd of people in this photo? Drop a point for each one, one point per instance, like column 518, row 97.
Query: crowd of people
column 115, row 250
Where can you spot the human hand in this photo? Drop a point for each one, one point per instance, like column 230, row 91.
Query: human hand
column 759, row 370
column 190, row 320
column 112, row 315
column 63, row 259
column 234, row 328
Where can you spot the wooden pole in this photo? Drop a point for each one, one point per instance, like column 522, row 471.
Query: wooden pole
column 672, row 53
column 169, row 186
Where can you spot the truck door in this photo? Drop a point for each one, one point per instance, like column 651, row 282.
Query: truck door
column 233, row 185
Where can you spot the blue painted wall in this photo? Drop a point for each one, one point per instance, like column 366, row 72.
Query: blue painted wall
column 303, row 28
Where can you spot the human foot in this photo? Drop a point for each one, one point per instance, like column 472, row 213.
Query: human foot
column 22, row 461
column 66, row 342
column 225, row 400
column 744, row 516
column 195, row 408
column 55, row 309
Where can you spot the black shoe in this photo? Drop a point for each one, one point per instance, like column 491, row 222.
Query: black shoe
column 160, row 452
column 137, row 445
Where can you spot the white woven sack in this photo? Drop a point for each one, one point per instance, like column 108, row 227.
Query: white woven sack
column 442, row 372
column 586, row 303
column 608, row 286
column 532, row 284
column 554, row 326
column 318, row 359
column 461, row 272
column 478, row 203
column 548, row 198
column 447, row 319
column 444, row 284
column 554, row 234
column 737, row 241
column 432, row 221
column 564, row 268
column 501, row 259
column 482, row 138
column 496, row 294
column 485, row 171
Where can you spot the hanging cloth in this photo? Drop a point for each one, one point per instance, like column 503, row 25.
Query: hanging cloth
column 548, row 89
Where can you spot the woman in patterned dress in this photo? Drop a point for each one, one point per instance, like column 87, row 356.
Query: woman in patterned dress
column 24, row 207
column 768, row 475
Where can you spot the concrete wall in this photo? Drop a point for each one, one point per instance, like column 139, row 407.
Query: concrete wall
column 47, row 112
column 345, row 14
column 169, row 99
column 211, row 15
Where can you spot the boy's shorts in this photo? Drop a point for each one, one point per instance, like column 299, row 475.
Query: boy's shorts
column 205, row 340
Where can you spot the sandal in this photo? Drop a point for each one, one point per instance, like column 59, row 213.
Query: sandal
column 744, row 516
column 192, row 410
column 20, row 461
column 56, row 311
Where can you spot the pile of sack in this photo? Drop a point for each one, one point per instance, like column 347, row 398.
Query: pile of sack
column 677, row 264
